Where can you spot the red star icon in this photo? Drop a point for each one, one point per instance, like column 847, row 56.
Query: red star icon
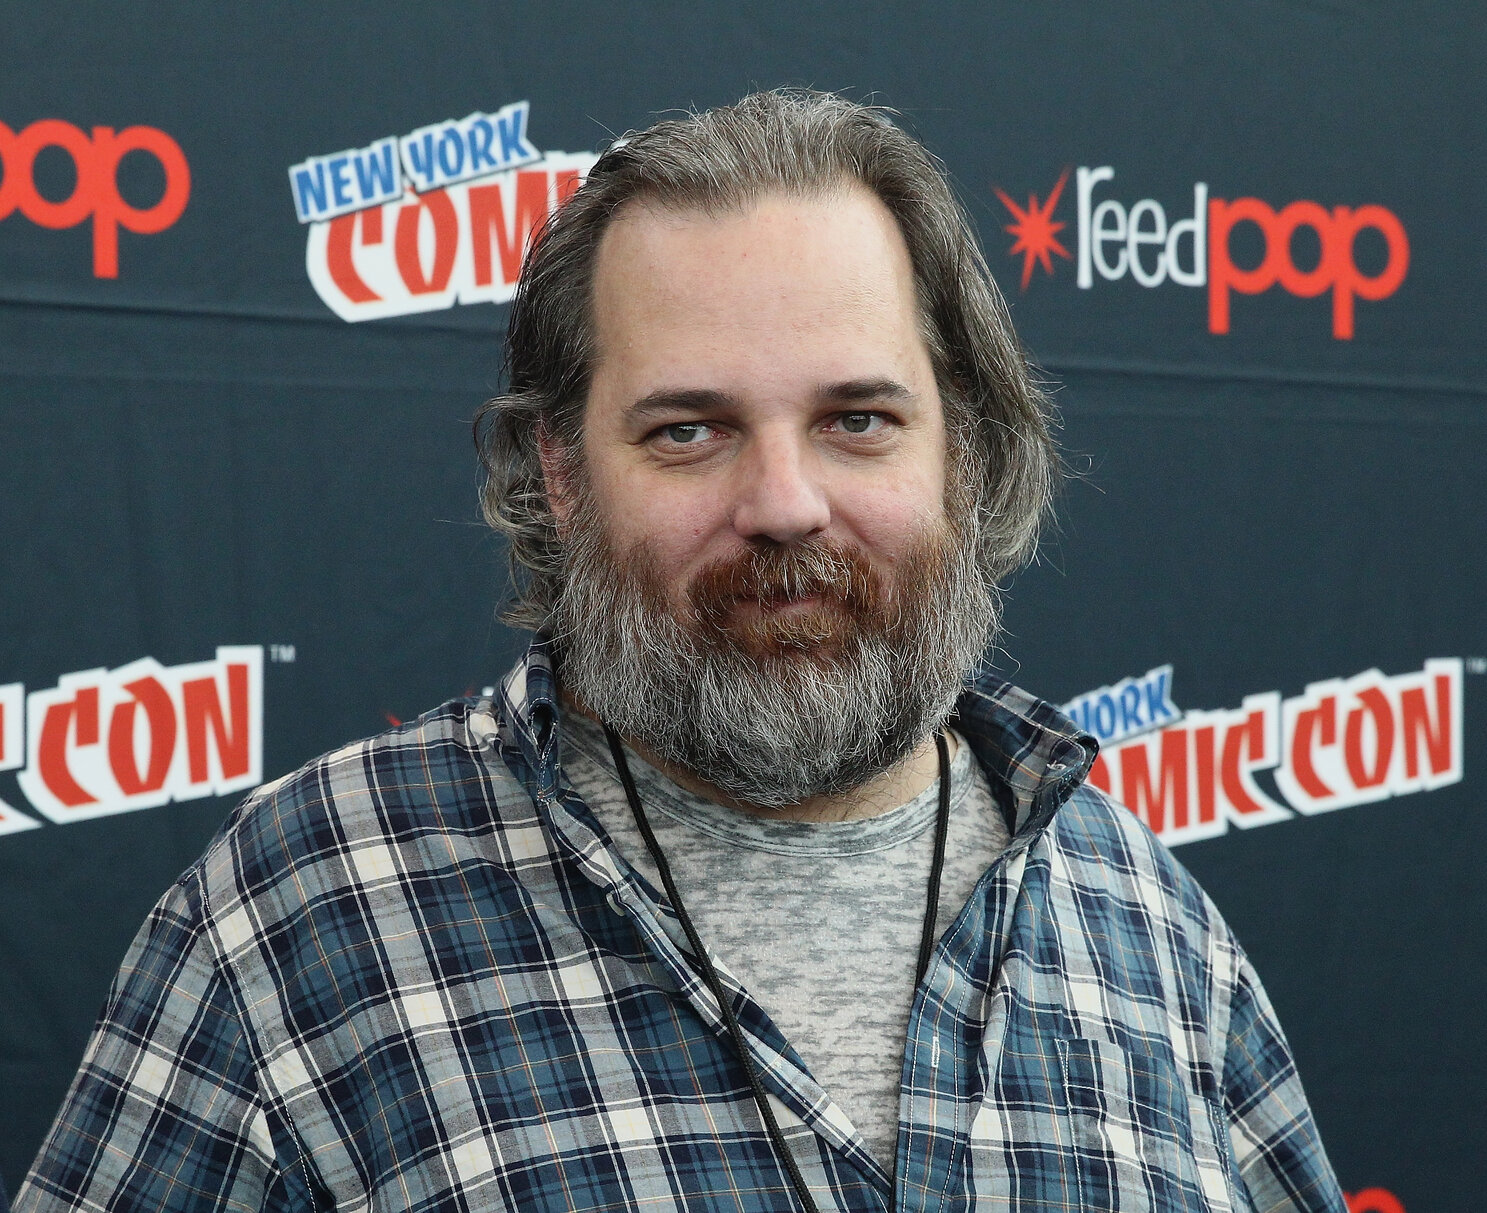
column 1036, row 231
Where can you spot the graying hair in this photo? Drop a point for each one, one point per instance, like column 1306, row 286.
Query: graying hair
column 800, row 143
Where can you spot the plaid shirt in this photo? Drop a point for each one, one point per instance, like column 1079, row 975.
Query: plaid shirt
column 416, row 975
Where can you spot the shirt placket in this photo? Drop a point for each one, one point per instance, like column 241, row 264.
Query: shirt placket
column 661, row 930
column 941, row 1059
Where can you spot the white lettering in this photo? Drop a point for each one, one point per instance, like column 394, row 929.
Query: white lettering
column 1115, row 234
column 1198, row 227
column 1086, row 180
column 1136, row 236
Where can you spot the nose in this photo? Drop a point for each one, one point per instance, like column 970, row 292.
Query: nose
column 779, row 494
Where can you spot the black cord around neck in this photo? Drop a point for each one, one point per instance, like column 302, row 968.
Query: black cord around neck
column 710, row 974
column 937, row 868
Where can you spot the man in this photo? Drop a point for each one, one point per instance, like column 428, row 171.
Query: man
column 768, row 445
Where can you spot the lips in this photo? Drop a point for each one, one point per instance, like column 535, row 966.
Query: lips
column 783, row 602
column 811, row 598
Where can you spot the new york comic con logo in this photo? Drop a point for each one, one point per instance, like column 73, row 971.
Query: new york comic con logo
column 422, row 221
column 1342, row 742
column 104, row 741
column 1196, row 249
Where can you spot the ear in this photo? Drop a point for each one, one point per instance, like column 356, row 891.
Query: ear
column 557, row 476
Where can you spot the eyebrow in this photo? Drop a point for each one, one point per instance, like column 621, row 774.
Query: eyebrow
column 857, row 391
column 682, row 400
column 706, row 400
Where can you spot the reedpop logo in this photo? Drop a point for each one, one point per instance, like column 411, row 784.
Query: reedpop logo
column 95, row 157
column 1114, row 241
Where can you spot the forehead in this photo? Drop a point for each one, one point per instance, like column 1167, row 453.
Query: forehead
column 783, row 265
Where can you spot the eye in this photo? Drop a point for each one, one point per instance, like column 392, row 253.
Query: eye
column 685, row 433
column 860, row 423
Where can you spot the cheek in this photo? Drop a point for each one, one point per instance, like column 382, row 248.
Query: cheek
column 893, row 519
column 675, row 525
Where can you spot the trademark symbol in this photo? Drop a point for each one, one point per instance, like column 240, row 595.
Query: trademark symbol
column 281, row 654
column 1476, row 665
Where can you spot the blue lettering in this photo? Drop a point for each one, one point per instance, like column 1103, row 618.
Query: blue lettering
column 340, row 180
column 481, row 135
column 1104, row 716
column 1130, row 708
column 420, row 154
column 1132, row 705
column 513, row 129
column 376, row 171
column 309, row 189
column 451, row 153
column 1159, row 703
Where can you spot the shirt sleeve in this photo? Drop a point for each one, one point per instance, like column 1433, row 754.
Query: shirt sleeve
column 1271, row 1130
column 164, row 1112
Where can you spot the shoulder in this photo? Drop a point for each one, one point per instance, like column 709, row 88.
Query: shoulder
column 1122, row 886
column 423, row 791
column 1096, row 830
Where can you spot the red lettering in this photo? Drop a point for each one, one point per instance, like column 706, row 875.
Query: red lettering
column 488, row 218
column 1203, row 763
column 1223, row 274
column 1152, row 804
column 338, row 259
column 110, row 211
column 1337, row 232
column 1321, row 718
column 1305, row 283
column 203, row 710
column 440, row 211
column 1350, row 280
column 1415, row 724
column 1371, row 702
column 1374, row 1200
column 79, row 717
column 160, row 714
column 96, row 191
column 1241, row 740
column 19, row 190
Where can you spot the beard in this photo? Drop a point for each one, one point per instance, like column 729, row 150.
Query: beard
column 792, row 671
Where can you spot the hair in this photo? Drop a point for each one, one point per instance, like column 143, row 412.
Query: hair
column 800, row 143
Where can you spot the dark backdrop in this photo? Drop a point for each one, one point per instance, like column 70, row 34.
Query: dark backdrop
column 199, row 452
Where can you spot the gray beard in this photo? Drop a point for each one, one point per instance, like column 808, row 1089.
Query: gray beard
column 776, row 729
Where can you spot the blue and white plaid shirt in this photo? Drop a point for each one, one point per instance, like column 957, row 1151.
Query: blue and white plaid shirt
column 416, row 976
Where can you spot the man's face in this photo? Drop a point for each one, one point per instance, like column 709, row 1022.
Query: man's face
column 761, row 583
column 761, row 382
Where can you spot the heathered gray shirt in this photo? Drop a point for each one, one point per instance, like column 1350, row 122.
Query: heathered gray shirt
column 819, row 920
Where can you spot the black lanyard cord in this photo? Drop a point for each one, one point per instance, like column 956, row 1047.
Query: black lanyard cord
column 937, row 868
column 710, row 974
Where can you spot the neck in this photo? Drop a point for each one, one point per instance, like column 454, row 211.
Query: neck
column 899, row 784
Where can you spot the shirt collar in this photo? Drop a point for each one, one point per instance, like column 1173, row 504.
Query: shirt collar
column 1034, row 756
column 528, row 700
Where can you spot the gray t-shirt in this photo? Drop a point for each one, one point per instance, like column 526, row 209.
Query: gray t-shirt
column 820, row 921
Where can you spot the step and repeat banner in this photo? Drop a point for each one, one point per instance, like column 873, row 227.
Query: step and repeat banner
column 253, row 269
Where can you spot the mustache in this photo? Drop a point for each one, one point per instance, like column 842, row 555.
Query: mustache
column 846, row 599
column 768, row 575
